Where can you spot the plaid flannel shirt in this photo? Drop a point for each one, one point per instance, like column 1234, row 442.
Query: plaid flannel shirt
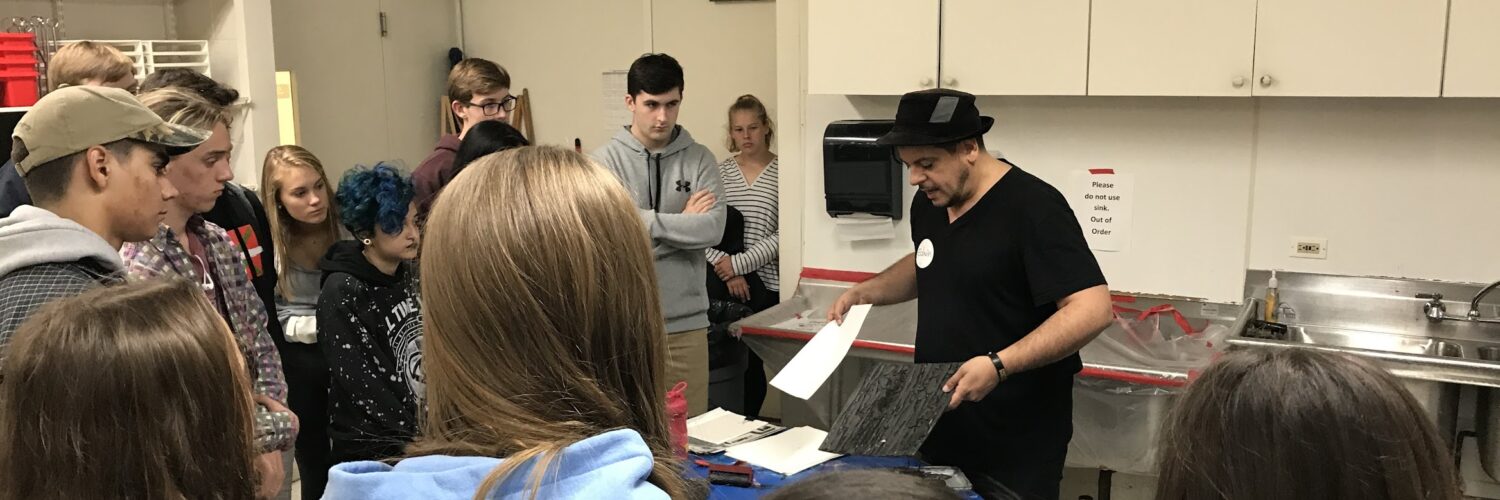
column 236, row 299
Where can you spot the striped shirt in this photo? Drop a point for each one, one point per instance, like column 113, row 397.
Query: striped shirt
column 757, row 202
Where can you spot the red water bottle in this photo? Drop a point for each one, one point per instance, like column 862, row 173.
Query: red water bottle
column 677, row 410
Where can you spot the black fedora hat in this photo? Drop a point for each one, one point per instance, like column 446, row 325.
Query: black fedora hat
column 936, row 116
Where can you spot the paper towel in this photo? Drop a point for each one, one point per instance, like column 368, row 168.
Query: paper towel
column 863, row 227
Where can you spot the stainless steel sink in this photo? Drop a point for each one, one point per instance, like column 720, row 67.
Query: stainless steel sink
column 1432, row 369
column 1393, row 343
column 1379, row 319
column 1434, row 359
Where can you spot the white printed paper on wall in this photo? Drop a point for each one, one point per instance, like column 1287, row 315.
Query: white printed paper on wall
column 612, row 98
column 1103, row 200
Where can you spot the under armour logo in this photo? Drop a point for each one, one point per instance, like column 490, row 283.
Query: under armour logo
column 684, row 186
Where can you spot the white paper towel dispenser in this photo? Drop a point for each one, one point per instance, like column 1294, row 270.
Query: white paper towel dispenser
column 859, row 176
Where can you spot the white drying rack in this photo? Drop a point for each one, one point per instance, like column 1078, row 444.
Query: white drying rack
column 152, row 55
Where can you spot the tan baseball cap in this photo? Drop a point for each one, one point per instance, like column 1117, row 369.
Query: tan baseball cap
column 73, row 119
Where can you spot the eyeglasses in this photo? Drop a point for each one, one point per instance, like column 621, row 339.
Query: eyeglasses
column 493, row 108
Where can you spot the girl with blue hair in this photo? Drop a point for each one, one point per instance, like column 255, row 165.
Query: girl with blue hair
column 370, row 320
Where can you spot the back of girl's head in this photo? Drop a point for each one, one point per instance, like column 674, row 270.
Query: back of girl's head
column 377, row 197
column 484, row 138
column 864, row 485
column 543, row 325
column 1299, row 424
column 194, row 81
column 133, row 391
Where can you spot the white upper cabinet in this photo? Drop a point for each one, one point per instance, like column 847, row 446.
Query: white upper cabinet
column 1473, row 67
column 1015, row 47
column 1172, row 47
column 871, row 47
column 1352, row 48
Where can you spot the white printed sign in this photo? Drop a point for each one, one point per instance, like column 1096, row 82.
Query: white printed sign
column 1103, row 201
column 612, row 100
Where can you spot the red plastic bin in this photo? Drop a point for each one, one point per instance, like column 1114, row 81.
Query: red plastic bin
column 16, row 62
column 18, row 87
column 17, row 41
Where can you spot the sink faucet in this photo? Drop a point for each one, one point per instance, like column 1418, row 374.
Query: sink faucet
column 1474, row 304
column 1433, row 309
column 1436, row 312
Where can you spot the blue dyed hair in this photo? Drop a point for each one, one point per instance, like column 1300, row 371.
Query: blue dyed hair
column 374, row 197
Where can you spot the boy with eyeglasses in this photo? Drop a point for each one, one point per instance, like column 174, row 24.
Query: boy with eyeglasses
column 478, row 90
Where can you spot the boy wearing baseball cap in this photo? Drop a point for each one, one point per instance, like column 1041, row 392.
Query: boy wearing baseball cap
column 92, row 159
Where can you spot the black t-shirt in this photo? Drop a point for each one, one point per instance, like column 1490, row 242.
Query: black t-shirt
column 994, row 276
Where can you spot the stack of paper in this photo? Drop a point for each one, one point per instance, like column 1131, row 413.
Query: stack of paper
column 718, row 429
column 816, row 361
column 788, row 453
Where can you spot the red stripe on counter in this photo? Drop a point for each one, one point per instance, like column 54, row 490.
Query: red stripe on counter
column 1102, row 171
column 1133, row 378
column 803, row 337
column 835, row 275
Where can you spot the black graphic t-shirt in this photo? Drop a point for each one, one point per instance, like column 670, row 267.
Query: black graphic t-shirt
column 370, row 328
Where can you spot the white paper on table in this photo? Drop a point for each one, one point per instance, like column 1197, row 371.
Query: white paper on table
column 790, row 452
column 816, row 361
column 719, row 426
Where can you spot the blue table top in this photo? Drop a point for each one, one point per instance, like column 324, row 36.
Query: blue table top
column 769, row 480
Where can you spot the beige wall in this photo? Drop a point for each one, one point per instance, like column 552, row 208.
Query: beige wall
column 240, row 54
column 363, row 98
column 559, row 49
column 97, row 19
column 727, row 49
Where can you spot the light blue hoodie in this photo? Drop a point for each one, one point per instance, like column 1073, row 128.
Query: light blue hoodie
column 611, row 465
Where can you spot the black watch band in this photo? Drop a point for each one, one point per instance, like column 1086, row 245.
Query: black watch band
column 999, row 366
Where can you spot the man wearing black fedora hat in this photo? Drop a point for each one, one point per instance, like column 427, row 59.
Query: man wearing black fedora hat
column 1008, row 287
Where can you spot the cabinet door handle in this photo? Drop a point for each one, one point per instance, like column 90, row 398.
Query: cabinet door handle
column 951, row 83
column 926, row 83
column 1266, row 80
column 1239, row 81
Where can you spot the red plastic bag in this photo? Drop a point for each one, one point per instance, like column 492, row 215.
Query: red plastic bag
column 677, row 409
column 1143, row 335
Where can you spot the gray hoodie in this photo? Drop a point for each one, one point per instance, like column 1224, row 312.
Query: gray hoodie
column 661, row 182
column 43, row 258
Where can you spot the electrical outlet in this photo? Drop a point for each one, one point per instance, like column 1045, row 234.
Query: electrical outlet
column 1310, row 248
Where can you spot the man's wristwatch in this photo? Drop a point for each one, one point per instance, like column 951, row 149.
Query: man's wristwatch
column 999, row 367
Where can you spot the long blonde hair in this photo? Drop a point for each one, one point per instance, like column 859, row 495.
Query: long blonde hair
column 543, row 322
column 278, row 159
column 131, row 391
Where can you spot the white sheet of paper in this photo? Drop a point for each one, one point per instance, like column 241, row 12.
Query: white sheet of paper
column 719, row 426
column 612, row 94
column 790, row 452
column 816, row 361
